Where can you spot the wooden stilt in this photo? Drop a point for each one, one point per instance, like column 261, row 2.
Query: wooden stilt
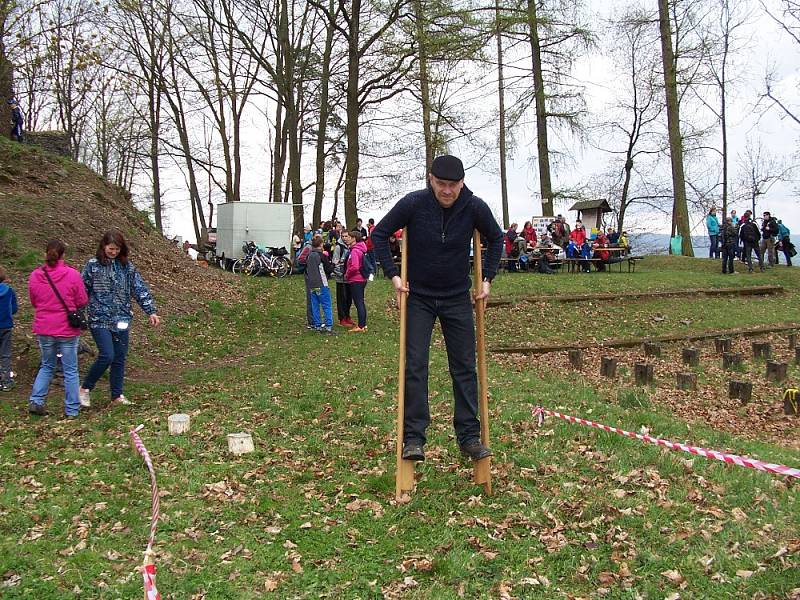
column 404, row 476
column 482, row 473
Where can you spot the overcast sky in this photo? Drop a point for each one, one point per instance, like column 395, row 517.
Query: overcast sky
column 768, row 47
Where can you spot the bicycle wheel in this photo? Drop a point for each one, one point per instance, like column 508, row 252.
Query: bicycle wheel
column 283, row 266
column 238, row 266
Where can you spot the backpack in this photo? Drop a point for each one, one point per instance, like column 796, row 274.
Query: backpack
column 749, row 232
column 303, row 256
column 368, row 266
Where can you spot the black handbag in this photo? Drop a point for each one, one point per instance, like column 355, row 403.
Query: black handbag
column 76, row 318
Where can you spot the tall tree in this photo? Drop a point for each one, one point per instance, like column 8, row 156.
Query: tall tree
column 680, row 212
column 501, row 109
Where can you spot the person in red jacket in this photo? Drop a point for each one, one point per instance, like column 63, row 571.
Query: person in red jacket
column 529, row 233
column 578, row 235
column 54, row 333
column 601, row 242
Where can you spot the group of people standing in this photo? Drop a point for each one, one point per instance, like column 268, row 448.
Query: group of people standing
column 60, row 297
column 347, row 259
column 739, row 238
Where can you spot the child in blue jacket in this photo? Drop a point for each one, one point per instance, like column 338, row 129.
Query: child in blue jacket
column 8, row 308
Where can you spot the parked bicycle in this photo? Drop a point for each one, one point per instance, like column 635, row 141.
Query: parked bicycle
column 260, row 260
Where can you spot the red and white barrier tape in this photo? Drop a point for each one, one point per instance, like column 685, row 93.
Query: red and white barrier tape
column 149, row 574
column 731, row 459
column 149, row 571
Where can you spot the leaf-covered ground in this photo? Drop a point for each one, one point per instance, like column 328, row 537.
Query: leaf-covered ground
column 576, row 512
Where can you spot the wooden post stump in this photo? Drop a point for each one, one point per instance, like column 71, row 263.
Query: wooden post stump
column 240, row 443
column 178, row 424
column 687, row 381
column 762, row 349
column 691, row 356
column 722, row 345
column 792, row 341
column 608, row 366
column 791, row 406
column 776, row 371
column 652, row 349
column 731, row 360
column 643, row 373
column 742, row 390
column 797, row 356
column 576, row 359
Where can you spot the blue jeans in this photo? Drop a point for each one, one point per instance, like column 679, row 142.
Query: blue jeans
column 713, row 248
column 321, row 298
column 50, row 347
column 112, row 349
column 455, row 316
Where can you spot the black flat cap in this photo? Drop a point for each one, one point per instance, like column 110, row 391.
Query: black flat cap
column 447, row 167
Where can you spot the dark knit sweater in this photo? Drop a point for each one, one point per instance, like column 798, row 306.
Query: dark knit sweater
column 438, row 241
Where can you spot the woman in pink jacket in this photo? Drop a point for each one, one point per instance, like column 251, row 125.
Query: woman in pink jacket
column 356, row 281
column 52, row 328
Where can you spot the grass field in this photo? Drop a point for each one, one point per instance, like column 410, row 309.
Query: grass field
column 311, row 514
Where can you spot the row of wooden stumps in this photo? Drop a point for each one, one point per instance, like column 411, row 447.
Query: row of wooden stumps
column 644, row 373
column 404, row 475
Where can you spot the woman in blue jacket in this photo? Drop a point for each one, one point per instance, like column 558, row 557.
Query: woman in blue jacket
column 111, row 281
column 712, row 224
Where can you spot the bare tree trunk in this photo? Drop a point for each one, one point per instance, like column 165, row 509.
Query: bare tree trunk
column 424, row 83
column 542, row 147
column 279, row 161
column 501, row 99
column 352, row 159
column 680, row 209
column 154, row 115
column 324, row 112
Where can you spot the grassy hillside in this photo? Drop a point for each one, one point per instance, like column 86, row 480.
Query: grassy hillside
column 576, row 512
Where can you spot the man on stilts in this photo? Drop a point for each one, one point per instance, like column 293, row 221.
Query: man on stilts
column 440, row 221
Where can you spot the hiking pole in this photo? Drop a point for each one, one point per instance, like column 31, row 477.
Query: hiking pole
column 404, row 476
column 481, row 471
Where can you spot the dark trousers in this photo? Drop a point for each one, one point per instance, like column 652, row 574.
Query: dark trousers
column 455, row 317
column 344, row 300
column 357, row 292
column 747, row 257
column 713, row 248
column 112, row 349
column 5, row 355
column 728, row 254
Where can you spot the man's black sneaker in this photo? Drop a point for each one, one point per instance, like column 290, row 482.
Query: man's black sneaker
column 40, row 411
column 413, row 451
column 475, row 450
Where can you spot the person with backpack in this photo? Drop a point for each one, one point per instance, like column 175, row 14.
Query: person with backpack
column 440, row 221
column 750, row 235
column 344, row 300
column 785, row 244
column 56, row 289
column 730, row 244
column 318, row 269
column 769, row 233
column 356, row 275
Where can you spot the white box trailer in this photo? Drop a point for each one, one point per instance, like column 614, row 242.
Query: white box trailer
column 265, row 223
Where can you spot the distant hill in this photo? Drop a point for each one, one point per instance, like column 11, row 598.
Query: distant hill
column 657, row 243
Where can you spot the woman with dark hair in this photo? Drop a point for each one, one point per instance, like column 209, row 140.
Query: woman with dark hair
column 54, row 290
column 111, row 281
column 356, row 281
